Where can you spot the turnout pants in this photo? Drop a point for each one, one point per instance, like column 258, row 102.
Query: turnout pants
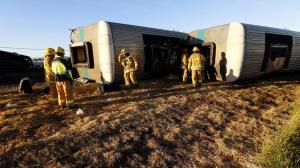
column 52, row 91
column 130, row 78
column 65, row 93
column 184, row 75
column 196, row 76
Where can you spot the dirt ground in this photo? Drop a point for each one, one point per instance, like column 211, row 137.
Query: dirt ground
column 160, row 124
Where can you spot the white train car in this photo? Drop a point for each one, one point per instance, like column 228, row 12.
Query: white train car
column 94, row 50
column 242, row 51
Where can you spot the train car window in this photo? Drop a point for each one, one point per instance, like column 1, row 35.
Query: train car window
column 79, row 55
column 278, row 51
column 82, row 55
column 278, row 48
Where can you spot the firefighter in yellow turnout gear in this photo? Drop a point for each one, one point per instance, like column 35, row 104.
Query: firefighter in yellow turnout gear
column 49, row 76
column 130, row 66
column 63, row 77
column 196, row 65
column 184, row 64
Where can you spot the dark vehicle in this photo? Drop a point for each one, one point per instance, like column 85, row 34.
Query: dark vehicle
column 14, row 67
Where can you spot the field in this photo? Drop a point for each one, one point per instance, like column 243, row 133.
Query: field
column 160, row 124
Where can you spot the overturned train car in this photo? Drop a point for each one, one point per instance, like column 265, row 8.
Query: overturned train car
column 242, row 51
column 95, row 48
column 234, row 51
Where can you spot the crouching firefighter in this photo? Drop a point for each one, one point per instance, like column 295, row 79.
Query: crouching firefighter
column 49, row 76
column 130, row 67
column 64, row 79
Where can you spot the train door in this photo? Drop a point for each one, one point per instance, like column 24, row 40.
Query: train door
column 159, row 60
column 208, row 49
column 278, row 50
column 161, row 54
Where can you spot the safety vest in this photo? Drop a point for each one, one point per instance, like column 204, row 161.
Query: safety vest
column 61, row 69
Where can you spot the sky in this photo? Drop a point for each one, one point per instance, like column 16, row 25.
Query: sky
column 38, row 24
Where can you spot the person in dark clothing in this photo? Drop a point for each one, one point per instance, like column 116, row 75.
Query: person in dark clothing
column 223, row 66
column 212, row 73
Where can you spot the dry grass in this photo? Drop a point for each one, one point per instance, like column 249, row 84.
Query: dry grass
column 282, row 149
column 156, row 125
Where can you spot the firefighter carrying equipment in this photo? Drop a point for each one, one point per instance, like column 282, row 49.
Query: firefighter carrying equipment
column 130, row 66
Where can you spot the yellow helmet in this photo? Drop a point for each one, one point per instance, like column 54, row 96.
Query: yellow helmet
column 49, row 51
column 195, row 49
column 123, row 51
column 60, row 50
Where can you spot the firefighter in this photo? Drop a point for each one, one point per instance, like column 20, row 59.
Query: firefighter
column 130, row 66
column 184, row 65
column 196, row 65
column 64, row 79
column 49, row 76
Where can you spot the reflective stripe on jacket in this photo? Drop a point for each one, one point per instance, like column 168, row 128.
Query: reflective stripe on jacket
column 61, row 69
column 196, row 62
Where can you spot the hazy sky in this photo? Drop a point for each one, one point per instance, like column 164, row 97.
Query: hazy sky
column 44, row 23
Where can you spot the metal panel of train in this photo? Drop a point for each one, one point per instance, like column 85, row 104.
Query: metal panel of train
column 245, row 51
column 94, row 50
column 235, row 51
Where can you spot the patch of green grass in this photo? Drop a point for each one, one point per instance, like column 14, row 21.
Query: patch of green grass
column 283, row 149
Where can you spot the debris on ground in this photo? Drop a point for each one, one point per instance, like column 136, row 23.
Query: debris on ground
column 10, row 105
column 79, row 111
column 158, row 124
